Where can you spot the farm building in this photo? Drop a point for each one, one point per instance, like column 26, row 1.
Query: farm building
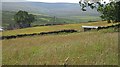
column 86, row 28
column 1, row 29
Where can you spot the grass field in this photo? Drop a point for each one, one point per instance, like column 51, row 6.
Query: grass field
column 81, row 48
column 53, row 28
column 75, row 48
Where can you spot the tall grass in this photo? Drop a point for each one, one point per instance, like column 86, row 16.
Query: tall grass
column 75, row 48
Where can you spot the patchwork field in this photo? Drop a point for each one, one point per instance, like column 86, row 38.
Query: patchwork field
column 53, row 28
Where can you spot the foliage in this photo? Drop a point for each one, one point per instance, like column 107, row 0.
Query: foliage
column 24, row 19
column 109, row 11
column 117, row 11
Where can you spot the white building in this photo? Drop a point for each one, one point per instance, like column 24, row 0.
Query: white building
column 1, row 29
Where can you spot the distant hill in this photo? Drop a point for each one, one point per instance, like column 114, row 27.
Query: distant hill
column 64, row 12
column 52, row 9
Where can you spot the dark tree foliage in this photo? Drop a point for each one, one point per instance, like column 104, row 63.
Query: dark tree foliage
column 109, row 11
column 117, row 11
column 24, row 19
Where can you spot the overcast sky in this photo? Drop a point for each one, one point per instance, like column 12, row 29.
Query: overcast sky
column 13, row 0
column 53, row 1
column 49, row 1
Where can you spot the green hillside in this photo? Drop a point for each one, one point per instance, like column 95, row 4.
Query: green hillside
column 8, row 19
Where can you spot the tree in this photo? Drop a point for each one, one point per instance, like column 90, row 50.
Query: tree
column 109, row 10
column 24, row 19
